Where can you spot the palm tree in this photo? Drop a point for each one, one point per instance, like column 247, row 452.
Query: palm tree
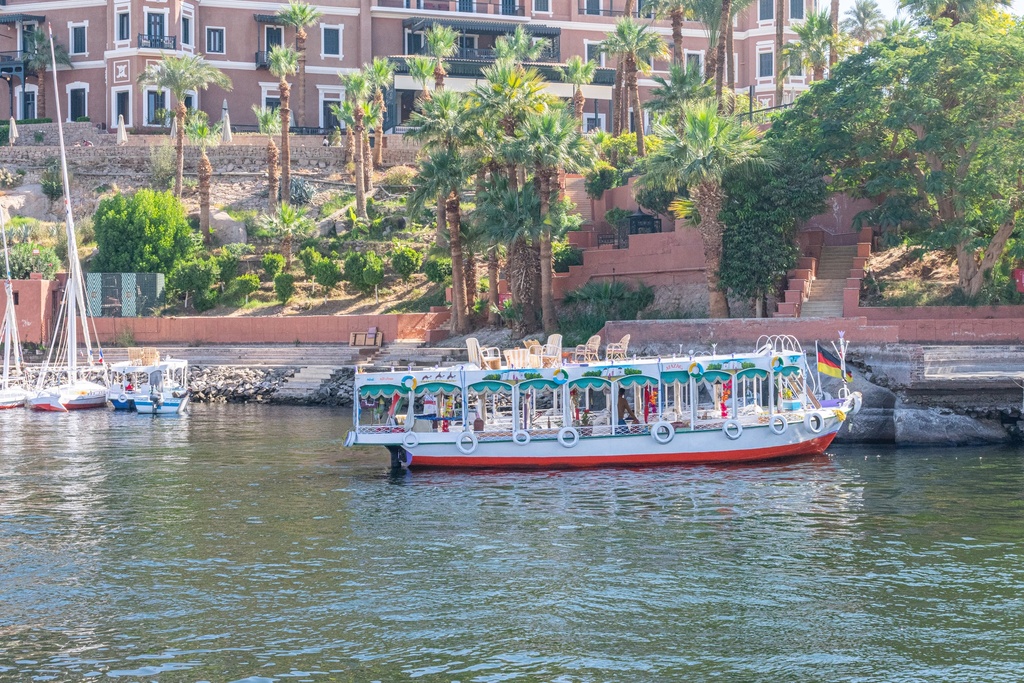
column 579, row 73
column 780, row 13
column 203, row 135
column 956, row 11
column 864, row 21
column 683, row 86
column 696, row 158
column 346, row 113
column 380, row 74
column 37, row 63
column 356, row 91
column 898, row 26
column 445, row 173
column 270, row 125
column 442, row 43
column 421, row 70
column 816, row 42
column 181, row 75
column 372, row 119
column 284, row 62
column 709, row 14
column 288, row 225
column 676, row 11
column 519, row 47
column 637, row 46
column 720, row 60
column 553, row 144
column 299, row 15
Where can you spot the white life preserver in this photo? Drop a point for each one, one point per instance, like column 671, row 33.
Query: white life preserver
column 568, row 437
column 525, row 438
column 778, row 425
column 732, row 429
column 814, row 421
column 461, row 442
column 350, row 439
column 410, row 440
column 122, row 398
column 663, row 431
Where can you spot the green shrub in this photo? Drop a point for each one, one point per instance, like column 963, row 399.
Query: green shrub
column 363, row 271
column 405, row 261
column 163, row 166
column 564, row 255
column 38, row 137
column 245, row 285
column 272, row 265
column 195, row 278
column 438, row 270
column 309, row 257
column 586, row 309
column 302, row 191
column 373, row 272
column 616, row 215
column 603, row 176
column 52, row 180
column 9, row 180
column 146, row 232
column 82, row 119
column 227, row 267
column 327, row 274
column 29, row 257
column 284, row 287
column 400, row 176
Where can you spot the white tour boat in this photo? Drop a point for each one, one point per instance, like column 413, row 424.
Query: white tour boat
column 63, row 383
column 167, row 389
column 12, row 391
column 715, row 408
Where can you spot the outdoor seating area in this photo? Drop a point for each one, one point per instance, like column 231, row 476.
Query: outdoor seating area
column 535, row 355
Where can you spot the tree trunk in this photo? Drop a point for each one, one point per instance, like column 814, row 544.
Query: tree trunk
column 521, row 272
column 179, row 146
column 819, row 74
column 286, row 148
column 617, row 101
column 780, row 9
column 547, row 295
column 638, row 114
column 972, row 269
column 205, row 173
column 578, row 102
column 300, row 47
column 367, row 165
column 834, row 16
column 439, row 74
column 470, row 274
column 359, row 161
column 492, row 286
column 730, row 54
column 720, row 61
column 460, row 319
column 709, row 198
column 711, row 62
column 677, row 35
column 286, row 246
column 350, row 145
column 41, row 95
column 759, row 306
column 378, row 138
column 272, row 176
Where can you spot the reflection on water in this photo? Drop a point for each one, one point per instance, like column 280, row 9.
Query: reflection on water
column 245, row 543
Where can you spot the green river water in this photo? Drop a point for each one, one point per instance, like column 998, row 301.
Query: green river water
column 244, row 543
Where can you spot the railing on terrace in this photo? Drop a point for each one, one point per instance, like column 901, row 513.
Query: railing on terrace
column 608, row 9
column 509, row 8
column 158, row 42
column 13, row 56
column 549, row 54
column 294, row 130
column 763, row 115
column 473, row 69
column 262, row 59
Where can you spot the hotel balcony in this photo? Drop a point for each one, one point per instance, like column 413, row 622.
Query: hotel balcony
column 486, row 32
column 158, row 42
column 609, row 8
column 508, row 8
column 262, row 59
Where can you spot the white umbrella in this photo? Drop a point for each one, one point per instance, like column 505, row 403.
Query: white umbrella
column 122, row 134
column 12, row 135
column 174, row 127
column 225, row 123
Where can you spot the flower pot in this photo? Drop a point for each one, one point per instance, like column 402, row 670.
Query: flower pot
column 791, row 404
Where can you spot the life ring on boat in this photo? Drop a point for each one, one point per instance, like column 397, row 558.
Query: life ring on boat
column 122, row 399
column 410, row 440
column 461, row 442
column 732, row 429
column 778, row 425
column 350, row 440
column 663, row 431
column 568, row 437
column 814, row 421
column 525, row 438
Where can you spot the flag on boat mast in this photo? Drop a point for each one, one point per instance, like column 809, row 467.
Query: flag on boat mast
column 831, row 365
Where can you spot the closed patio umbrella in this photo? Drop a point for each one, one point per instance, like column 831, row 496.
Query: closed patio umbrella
column 225, row 123
column 122, row 134
column 12, row 135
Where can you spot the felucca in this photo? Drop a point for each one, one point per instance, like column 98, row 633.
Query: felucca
column 12, row 391
column 63, row 384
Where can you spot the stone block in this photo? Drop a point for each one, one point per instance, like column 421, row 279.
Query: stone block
column 226, row 229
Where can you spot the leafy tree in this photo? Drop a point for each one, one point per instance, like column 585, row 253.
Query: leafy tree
column 29, row 257
column 181, row 75
column 284, row 287
column 195, row 278
column 299, row 15
column 352, row 269
column 373, row 271
column 438, row 270
column 405, row 261
column 327, row 274
column 310, row 257
column 697, row 158
column 272, row 265
column 245, row 285
column 931, row 128
column 145, row 232
column 38, row 62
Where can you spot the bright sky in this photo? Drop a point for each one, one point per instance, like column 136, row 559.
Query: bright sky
column 889, row 6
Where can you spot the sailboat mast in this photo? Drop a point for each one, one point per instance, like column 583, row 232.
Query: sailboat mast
column 9, row 319
column 74, row 277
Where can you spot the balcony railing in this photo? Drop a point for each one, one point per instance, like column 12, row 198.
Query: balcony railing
column 509, row 8
column 607, row 8
column 158, row 42
column 487, row 54
column 262, row 59
column 13, row 56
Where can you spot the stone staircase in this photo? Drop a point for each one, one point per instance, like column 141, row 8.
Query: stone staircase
column 282, row 355
column 402, row 353
column 826, row 296
column 306, row 381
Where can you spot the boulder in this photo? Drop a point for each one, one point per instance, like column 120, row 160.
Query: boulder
column 28, row 201
column 938, row 427
column 227, row 229
column 870, row 425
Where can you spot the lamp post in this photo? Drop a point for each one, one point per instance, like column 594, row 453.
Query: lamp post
column 10, row 89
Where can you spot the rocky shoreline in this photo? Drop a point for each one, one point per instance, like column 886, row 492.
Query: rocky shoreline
column 239, row 384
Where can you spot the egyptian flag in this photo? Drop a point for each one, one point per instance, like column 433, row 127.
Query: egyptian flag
column 829, row 364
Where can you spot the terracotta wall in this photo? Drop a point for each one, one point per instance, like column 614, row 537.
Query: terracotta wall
column 33, row 309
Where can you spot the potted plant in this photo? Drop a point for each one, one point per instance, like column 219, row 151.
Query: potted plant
column 789, row 402
column 586, row 428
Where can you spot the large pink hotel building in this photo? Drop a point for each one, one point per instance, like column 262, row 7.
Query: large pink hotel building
column 112, row 41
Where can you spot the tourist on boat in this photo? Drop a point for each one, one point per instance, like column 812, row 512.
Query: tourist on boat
column 624, row 409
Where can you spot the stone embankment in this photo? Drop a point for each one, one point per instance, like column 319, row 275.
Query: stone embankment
column 238, row 384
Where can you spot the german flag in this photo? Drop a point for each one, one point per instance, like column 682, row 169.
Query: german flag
column 829, row 364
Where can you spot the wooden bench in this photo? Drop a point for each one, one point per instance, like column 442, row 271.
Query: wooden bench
column 375, row 339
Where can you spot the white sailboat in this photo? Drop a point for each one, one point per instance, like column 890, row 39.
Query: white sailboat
column 12, row 391
column 63, row 384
